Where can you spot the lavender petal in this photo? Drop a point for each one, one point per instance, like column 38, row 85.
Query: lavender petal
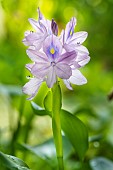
column 31, row 88
column 51, row 77
column 63, row 70
column 77, row 78
column 37, row 56
column 67, row 57
column 40, row 70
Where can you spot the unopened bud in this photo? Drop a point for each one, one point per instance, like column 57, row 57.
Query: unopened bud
column 54, row 27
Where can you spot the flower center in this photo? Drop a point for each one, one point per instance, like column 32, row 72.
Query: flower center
column 53, row 63
column 52, row 50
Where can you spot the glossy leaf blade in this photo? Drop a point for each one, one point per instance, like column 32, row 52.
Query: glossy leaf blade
column 12, row 162
column 76, row 132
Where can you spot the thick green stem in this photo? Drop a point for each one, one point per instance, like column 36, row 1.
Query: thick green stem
column 57, row 135
column 60, row 163
column 56, row 125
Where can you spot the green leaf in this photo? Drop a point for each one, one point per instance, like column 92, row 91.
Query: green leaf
column 12, row 162
column 39, row 110
column 46, row 150
column 101, row 163
column 76, row 132
column 48, row 102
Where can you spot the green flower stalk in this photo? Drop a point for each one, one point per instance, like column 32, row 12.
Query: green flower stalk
column 56, row 123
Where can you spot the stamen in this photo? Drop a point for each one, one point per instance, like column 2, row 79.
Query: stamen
column 53, row 63
column 78, row 43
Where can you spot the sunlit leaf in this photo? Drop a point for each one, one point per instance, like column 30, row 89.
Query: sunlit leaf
column 12, row 162
column 101, row 163
column 76, row 132
column 39, row 110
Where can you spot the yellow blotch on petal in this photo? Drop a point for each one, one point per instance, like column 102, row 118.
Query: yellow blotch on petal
column 71, row 32
column 52, row 51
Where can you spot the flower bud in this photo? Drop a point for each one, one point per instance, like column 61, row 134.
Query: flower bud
column 54, row 27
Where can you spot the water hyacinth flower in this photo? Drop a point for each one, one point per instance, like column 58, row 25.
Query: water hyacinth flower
column 43, row 29
column 54, row 56
column 73, row 41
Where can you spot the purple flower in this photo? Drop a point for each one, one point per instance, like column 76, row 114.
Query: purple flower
column 43, row 29
column 54, row 56
column 48, row 65
column 73, row 41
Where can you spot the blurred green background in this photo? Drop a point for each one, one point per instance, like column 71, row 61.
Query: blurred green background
column 90, row 102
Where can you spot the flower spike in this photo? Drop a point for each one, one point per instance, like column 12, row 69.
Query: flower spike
column 54, row 56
